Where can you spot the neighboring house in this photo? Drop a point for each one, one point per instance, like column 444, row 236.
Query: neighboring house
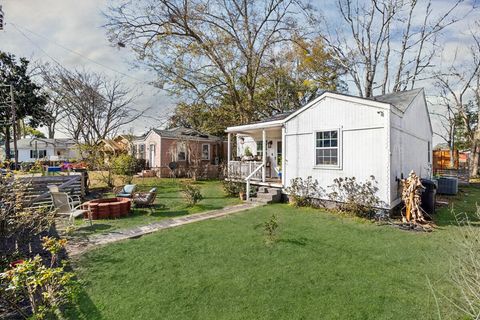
column 33, row 149
column 116, row 146
column 338, row 135
column 181, row 146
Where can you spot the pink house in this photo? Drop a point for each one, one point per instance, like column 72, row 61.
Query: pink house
column 179, row 150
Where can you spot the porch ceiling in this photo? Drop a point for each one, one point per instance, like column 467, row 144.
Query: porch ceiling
column 257, row 134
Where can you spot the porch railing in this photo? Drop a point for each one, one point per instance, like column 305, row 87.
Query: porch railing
column 243, row 169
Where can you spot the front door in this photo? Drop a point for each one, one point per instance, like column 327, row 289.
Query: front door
column 152, row 156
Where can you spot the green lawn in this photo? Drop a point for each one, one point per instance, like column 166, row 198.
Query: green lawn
column 323, row 266
column 169, row 203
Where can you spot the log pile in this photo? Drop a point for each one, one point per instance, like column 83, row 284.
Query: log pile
column 414, row 217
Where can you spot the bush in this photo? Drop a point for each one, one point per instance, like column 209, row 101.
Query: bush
column 124, row 165
column 359, row 198
column 233, row 188
column 304, row 193
column 45, row 285
column 270, row 227
column 192, row 194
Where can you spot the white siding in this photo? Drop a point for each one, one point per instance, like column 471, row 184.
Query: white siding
column 364, row 143
column 410, row 136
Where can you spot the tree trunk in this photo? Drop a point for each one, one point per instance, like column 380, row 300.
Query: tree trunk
column 475, row 155
column 51, row 131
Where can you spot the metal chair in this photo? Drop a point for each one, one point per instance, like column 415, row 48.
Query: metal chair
column 127, row 191
column 146, row 199
column 64, row 205
column 76, row 198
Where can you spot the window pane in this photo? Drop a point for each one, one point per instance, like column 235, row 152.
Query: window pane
column 326, row 134
column 326, row 143
column 334, row 134
column 333, row 143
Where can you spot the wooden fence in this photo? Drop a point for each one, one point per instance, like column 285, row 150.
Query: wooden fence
column 38, row 194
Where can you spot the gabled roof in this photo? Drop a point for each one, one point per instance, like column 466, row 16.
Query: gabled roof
column 28, row 143
column 185, row 133
column 401, row 100
column 398, row 102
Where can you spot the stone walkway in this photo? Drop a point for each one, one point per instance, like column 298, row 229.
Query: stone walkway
column 76, row 247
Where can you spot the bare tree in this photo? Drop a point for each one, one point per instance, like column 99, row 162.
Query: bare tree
column 458, row 84
column 382, row 47
column 92, row 106
column 447, row 120
column 204, row 49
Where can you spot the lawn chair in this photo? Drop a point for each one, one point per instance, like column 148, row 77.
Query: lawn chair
column 146, row 199
column 76, row 198
column 63, row 204
column 127, row 191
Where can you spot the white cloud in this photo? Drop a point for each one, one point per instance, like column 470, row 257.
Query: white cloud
column 77, row 25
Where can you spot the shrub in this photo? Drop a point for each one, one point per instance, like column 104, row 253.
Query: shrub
column 359, row 198
column 248, row 152
column 233, row 188
column 46, row 286
column 192, row 194
column 303, row 193
column 270, row 227
column 125, row 165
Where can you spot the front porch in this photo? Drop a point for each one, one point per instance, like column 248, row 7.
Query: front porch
column 255, row 154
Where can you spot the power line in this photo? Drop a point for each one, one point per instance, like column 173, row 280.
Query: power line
column 77, row 53
column 61, row 66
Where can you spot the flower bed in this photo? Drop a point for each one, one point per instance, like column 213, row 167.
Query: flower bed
column 110, row 208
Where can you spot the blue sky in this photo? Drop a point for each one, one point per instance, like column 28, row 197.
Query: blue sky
column 38, row 30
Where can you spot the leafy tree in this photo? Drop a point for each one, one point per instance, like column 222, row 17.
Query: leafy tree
column 293, row 78
column 210, row 53
column 29, row 100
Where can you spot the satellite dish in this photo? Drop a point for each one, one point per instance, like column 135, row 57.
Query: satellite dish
column 173, row 165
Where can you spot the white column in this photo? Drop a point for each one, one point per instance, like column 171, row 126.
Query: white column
column 229, row 152
column 284, row 161
column 264, row 155
column 229, row 147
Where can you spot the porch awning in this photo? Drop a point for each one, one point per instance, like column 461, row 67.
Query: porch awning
column 255, row 127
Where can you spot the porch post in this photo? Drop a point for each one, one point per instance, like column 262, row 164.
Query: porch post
column 229, row 147
column 264, row 154
column 229, row 152
column 284, row 162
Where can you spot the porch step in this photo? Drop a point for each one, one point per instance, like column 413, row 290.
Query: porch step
column 267, row 195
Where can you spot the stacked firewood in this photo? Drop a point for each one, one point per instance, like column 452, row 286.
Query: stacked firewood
column 412, row 189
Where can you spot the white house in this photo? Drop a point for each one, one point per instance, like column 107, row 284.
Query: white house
column 338, row 135
column 33, row 149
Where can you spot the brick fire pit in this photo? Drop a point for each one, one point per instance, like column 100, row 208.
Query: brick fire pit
column 110, row 208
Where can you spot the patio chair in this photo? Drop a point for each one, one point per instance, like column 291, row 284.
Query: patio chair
column 64, row 206
column 76, row 198
column 146, row 199
column 127, row 191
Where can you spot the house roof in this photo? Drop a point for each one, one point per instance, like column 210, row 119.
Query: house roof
column 400, row 100
column 28, row 143
column 186, row 133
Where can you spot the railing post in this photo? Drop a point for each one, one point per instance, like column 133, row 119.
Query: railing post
column 264, row 155
column 248, row 189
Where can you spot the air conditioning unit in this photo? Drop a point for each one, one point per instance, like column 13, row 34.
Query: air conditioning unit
column 447, row 185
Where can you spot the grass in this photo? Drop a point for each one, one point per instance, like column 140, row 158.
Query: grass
column 322, row 266
column 169, row 203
